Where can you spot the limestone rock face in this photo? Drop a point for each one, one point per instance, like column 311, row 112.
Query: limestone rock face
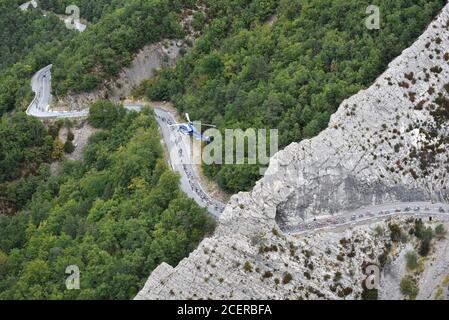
column 387, row 143
column 144, row 65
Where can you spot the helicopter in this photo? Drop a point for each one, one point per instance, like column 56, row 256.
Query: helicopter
column 189, row 129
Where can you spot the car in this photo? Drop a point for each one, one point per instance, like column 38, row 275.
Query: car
column 408, row 209
column 353, row 218
column 417, row 208
column 441, row 210
column 387, row 212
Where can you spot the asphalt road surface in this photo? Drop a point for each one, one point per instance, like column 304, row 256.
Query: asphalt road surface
column 179, row 148
column 39, row 107
column 373, row 214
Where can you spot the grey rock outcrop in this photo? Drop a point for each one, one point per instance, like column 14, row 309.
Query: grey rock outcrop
column 385, row 144
column 144, row 65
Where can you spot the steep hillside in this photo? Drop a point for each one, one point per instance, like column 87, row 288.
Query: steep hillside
column 290, row 74
column 386, row 144
column 116, row 215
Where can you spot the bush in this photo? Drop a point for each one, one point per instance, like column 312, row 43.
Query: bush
column 69, row 147
column 409, row 287
column 267, row 274
column 287, row 278
column 412, row 260
column 248, row 267
column 379, row 231
column 70, row 136
column 440, row 232
column 337, row 276
column 426, row 237
column 424, row 248
column 369, row 294
column 395, row 232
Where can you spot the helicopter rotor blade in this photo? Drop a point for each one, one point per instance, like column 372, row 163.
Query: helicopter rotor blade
column 208, row 125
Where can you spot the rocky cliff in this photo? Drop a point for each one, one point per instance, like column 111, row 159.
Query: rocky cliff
column 144, row 65
column 385, row 144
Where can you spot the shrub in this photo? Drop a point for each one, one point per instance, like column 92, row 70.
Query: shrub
column 412, row 260
column 287, row 278
column 70, row 136
column 440, row 232
column 395, row 232
column 337, row 276
column 426, row 237
column 248, row 267
column 267, row 274
column 69, row 147
column 369, row 294
column 409, row 287
column 379, row 231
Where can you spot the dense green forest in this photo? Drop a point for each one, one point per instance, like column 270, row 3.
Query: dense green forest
column 106, row 47
column 290, row 76
column 117, row 215
column 23, row 32
column 25, row 145
column 120, row 212
column 29, row 42
column 81, row 60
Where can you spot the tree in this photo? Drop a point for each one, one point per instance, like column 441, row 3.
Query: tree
column 105, row 114
column 69, row 147
column 58, row 150
column 426, row 237
column 3, row 263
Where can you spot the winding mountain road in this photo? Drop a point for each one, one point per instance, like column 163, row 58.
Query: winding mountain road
column 179, row 148
column 178, row 145
column 180, row 153
column 40, row 106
